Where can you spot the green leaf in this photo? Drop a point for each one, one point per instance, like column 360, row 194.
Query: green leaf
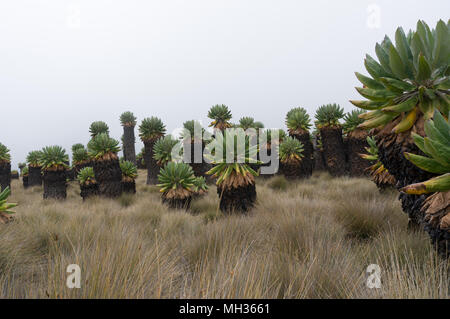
column 441, row 48
column 397, row 84
column 432, row 132
column 426, row 164
column 406, row 106
column 378, row 121
column 424, row 70
column 367, row 105
column 396, row 64
column 442, row 126
column 374, row 68
column 404, row 50
column 419, row 141
column 438, row 151
column 370, row 83
column 375, row 95
column 383, row 57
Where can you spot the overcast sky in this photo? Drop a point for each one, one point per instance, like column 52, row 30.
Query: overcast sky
column 65, row 64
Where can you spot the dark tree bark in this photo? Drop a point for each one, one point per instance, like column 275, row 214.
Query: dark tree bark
column 152, row 165
column 173, row 203
column 108, row 176
column 34, row 176
column 240, row 199
column 308, row 152
column 129, row 151
column 391, row 149
column 55, row 184
column 333, row 150
column 129, row 187
column 357, row 143
column 319, row 161
column 292, row 170
column 25, row 181
column 90, row 190
column 5, row 175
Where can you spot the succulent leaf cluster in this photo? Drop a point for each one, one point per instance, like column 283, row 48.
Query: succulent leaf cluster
column 409, row 80
column 5, row 207
column 291, row 150
column 329, row 115
column 80, row 155
column 297, row 119
column 352, row 120
column 246, row 122
column 151, row 129
column 200, row 186
column 128, row 119
column 86, row 176
column 176, row 180
column 53, row 158
column 77, row 146
column 165, row 148
column 221, row 116
column 129, row 170
column 103, row 147
column 98, row 127
column 4, row 154
column 436, row 146
column 231, row 159
column 33, row 158
column 378, row 172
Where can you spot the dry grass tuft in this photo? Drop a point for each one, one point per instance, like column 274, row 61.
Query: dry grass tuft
column 306, row 239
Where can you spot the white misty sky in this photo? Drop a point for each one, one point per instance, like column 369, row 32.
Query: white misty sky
column 65, row 64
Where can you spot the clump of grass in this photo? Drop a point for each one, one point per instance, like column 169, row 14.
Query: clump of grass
column 278, row 183
column 126, row 200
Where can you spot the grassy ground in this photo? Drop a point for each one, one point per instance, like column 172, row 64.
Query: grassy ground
column 307, row 239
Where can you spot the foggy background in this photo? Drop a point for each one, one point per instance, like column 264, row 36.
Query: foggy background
column 65, row 64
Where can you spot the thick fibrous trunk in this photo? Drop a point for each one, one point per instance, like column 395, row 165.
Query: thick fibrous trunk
column 55, row 184
column 292, row 170
column 90, row 190
column 34, row 176
column 25, row 181
column 308, row 153
column 5, row 175
column 319, row 161
column 129, row 187
column 333, row 150
column 150, row 162
column 108, row 176
column 436, row 221
column 129, row 151
column 240, row 199
column 356, row 144
column 177, row 203
column 391, row 149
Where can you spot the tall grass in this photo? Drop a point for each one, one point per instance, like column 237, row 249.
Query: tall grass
column 309, row 239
